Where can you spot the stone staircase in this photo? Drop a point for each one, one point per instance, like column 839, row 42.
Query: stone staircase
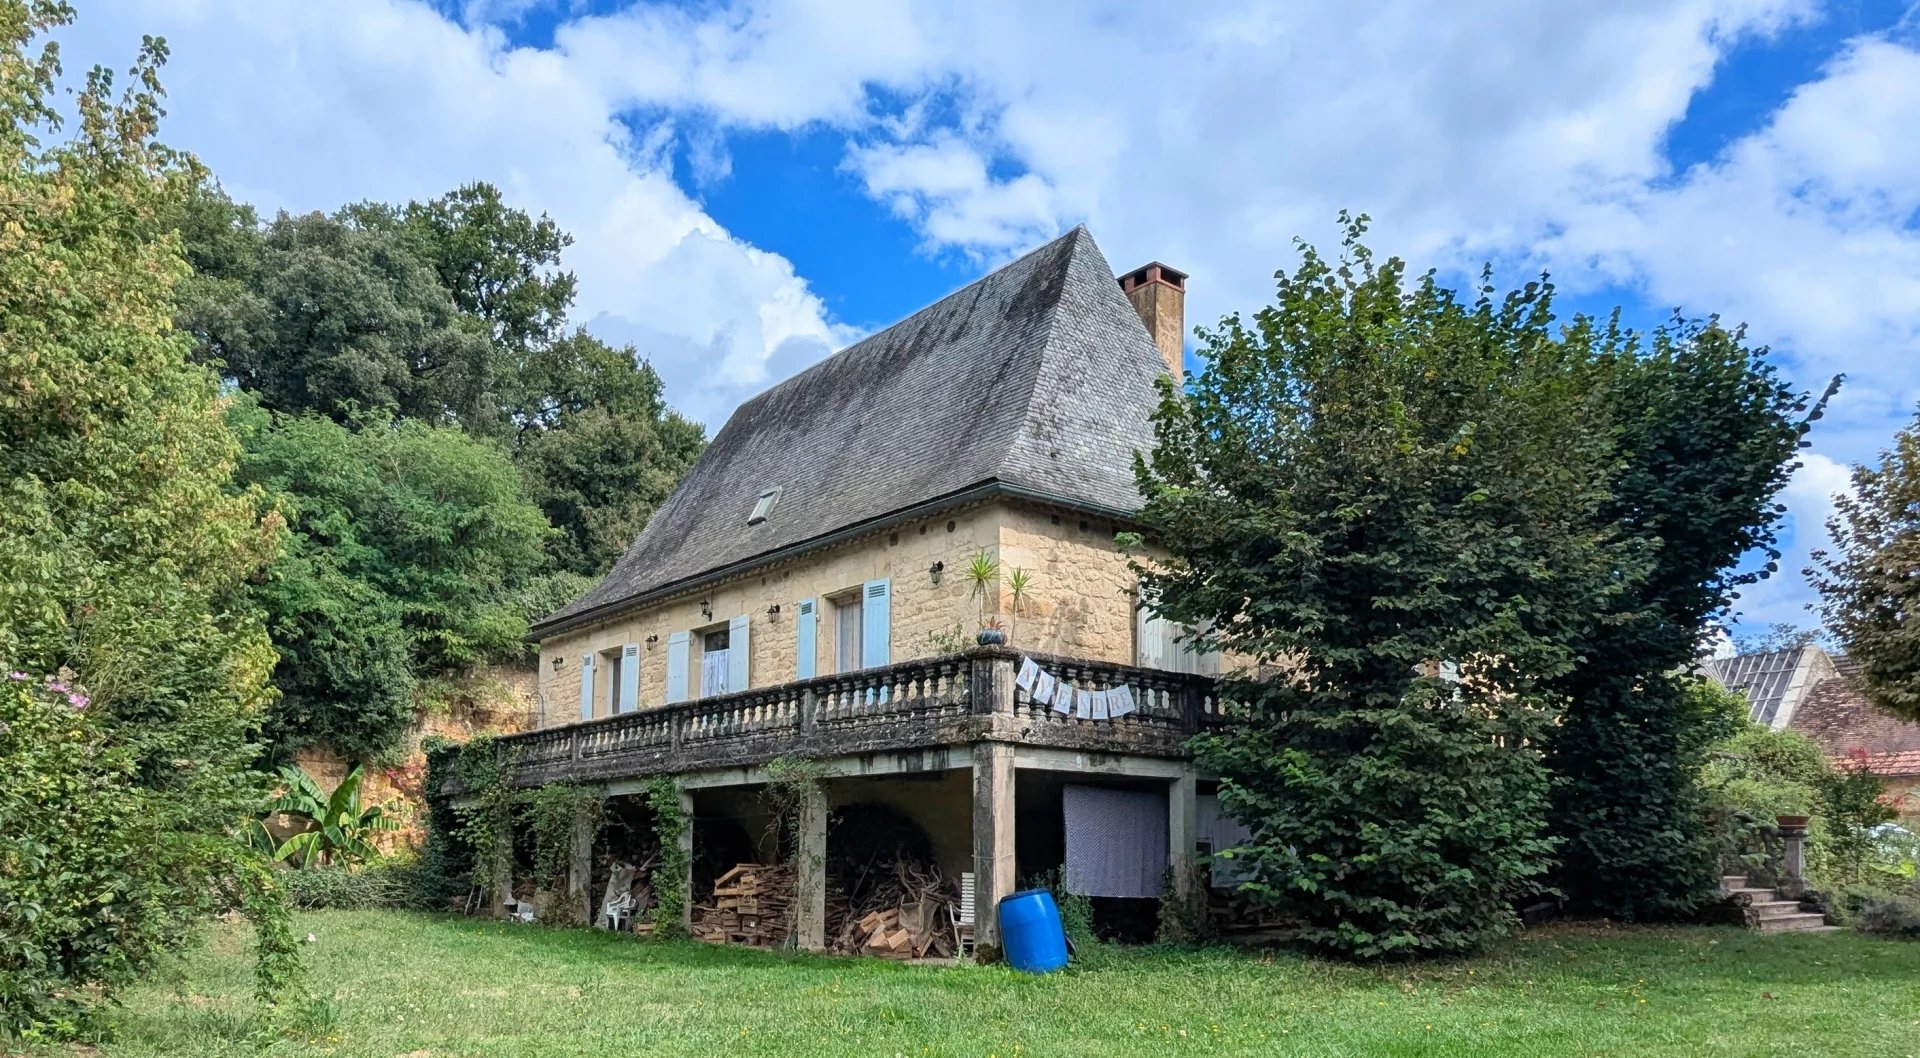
column 1768, row 911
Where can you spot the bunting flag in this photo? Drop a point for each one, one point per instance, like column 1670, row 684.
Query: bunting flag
column 1084, row 703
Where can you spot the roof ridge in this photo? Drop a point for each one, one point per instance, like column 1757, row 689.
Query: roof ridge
column 1016, row 437
column 929, row 308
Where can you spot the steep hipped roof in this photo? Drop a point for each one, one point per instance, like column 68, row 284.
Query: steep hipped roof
column 1037, row 380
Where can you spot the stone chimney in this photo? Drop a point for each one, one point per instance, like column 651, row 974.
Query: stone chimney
column 1159, row 295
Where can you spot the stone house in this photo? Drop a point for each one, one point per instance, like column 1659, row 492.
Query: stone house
column 802, row 593
column 1808, row 690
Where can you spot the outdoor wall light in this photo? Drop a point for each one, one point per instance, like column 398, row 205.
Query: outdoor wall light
column 935, row 570
column 652, row 639
column 773, row 612
column 558, row 660
column 706, row 609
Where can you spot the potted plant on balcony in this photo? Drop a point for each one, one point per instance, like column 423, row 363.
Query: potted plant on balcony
column 983, row 575
column 1018, row 582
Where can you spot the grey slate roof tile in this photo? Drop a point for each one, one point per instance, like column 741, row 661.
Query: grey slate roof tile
column 1038, row 377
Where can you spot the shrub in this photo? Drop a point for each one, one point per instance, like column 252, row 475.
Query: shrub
column 381, row 885
column 1878, row 911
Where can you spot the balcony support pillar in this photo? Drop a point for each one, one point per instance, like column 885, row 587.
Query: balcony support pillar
column 993, row 860
column 810, row 873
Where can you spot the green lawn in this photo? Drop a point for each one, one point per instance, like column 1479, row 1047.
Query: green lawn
column 408, row 986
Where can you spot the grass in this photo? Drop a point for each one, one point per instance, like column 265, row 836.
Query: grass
column 412, row 986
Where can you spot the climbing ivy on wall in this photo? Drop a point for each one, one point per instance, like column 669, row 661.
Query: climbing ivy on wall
column 671, row 825
column 486, row 820
column 550, row 813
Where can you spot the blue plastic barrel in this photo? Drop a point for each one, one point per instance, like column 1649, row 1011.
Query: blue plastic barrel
column 1031, row 933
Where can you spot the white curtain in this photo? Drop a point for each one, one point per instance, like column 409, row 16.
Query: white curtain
column 713, row 673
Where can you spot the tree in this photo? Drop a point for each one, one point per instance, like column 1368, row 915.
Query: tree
column 1781, row 635
column 599, row 447
column 317, row 313
column 1394, row 498
column 409, row 544
column 136, row 667
column 451, row 311
column 1705, row 433
column 1870, row 580
column 498, row 263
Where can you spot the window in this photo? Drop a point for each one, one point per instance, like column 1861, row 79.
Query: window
column 849, row 618
column 763, row 506
column 610, row 662
column 714, row 659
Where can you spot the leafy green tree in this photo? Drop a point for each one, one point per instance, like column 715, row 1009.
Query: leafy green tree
column 452, row 311
column 338, row 829
column 1870, row 581
column 124, row 560
column 499, row 263
column 602, row 451
column 1394, row 497
column 409, row 546
column 1705, row 434
column 317, row 313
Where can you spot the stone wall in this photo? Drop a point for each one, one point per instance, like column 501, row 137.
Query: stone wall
column 499, row 700
column 1081, row 600
column 1080, row 603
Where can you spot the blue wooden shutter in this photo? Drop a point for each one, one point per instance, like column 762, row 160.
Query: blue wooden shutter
column 679, row 645
column 586, row 686
column 805, row 651
column 876, row 630
column 630, row 677
column 737, row 654
column 1150, row 639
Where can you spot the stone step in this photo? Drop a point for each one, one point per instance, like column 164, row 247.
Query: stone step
column 1733, row 881
column 1753, row 895
column 1804, row 922
column 1774, row 908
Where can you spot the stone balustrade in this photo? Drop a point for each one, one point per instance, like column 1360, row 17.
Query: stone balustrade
column 944, row 701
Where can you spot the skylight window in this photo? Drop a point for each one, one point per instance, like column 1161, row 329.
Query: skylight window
column 763, row 507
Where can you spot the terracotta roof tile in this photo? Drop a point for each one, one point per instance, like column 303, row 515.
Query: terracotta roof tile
column 1846, row 724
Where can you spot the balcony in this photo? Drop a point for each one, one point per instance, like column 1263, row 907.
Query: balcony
column 955, row 700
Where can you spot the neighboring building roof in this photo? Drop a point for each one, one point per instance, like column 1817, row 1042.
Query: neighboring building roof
column 1846, row 724
column 1775, row 682
column 1036, row 380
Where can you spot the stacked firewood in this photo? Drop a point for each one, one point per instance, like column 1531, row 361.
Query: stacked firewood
column 750, row 906
column 909, row 915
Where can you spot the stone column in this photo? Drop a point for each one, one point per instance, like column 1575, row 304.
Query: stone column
column 580, row 868
column 993, row 864
column 1182, row 822
column 1793, row 860
column 810, row 874
column 686, row 846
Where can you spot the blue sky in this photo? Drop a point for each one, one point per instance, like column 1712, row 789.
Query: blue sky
column 753, row 184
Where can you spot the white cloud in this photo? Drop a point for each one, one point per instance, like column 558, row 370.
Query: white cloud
column 1205, row 135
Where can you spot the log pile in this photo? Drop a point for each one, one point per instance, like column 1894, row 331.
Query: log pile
column 750, row 906
column 912, row 915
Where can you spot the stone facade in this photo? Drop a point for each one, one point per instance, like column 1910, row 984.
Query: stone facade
column 1080, row 604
